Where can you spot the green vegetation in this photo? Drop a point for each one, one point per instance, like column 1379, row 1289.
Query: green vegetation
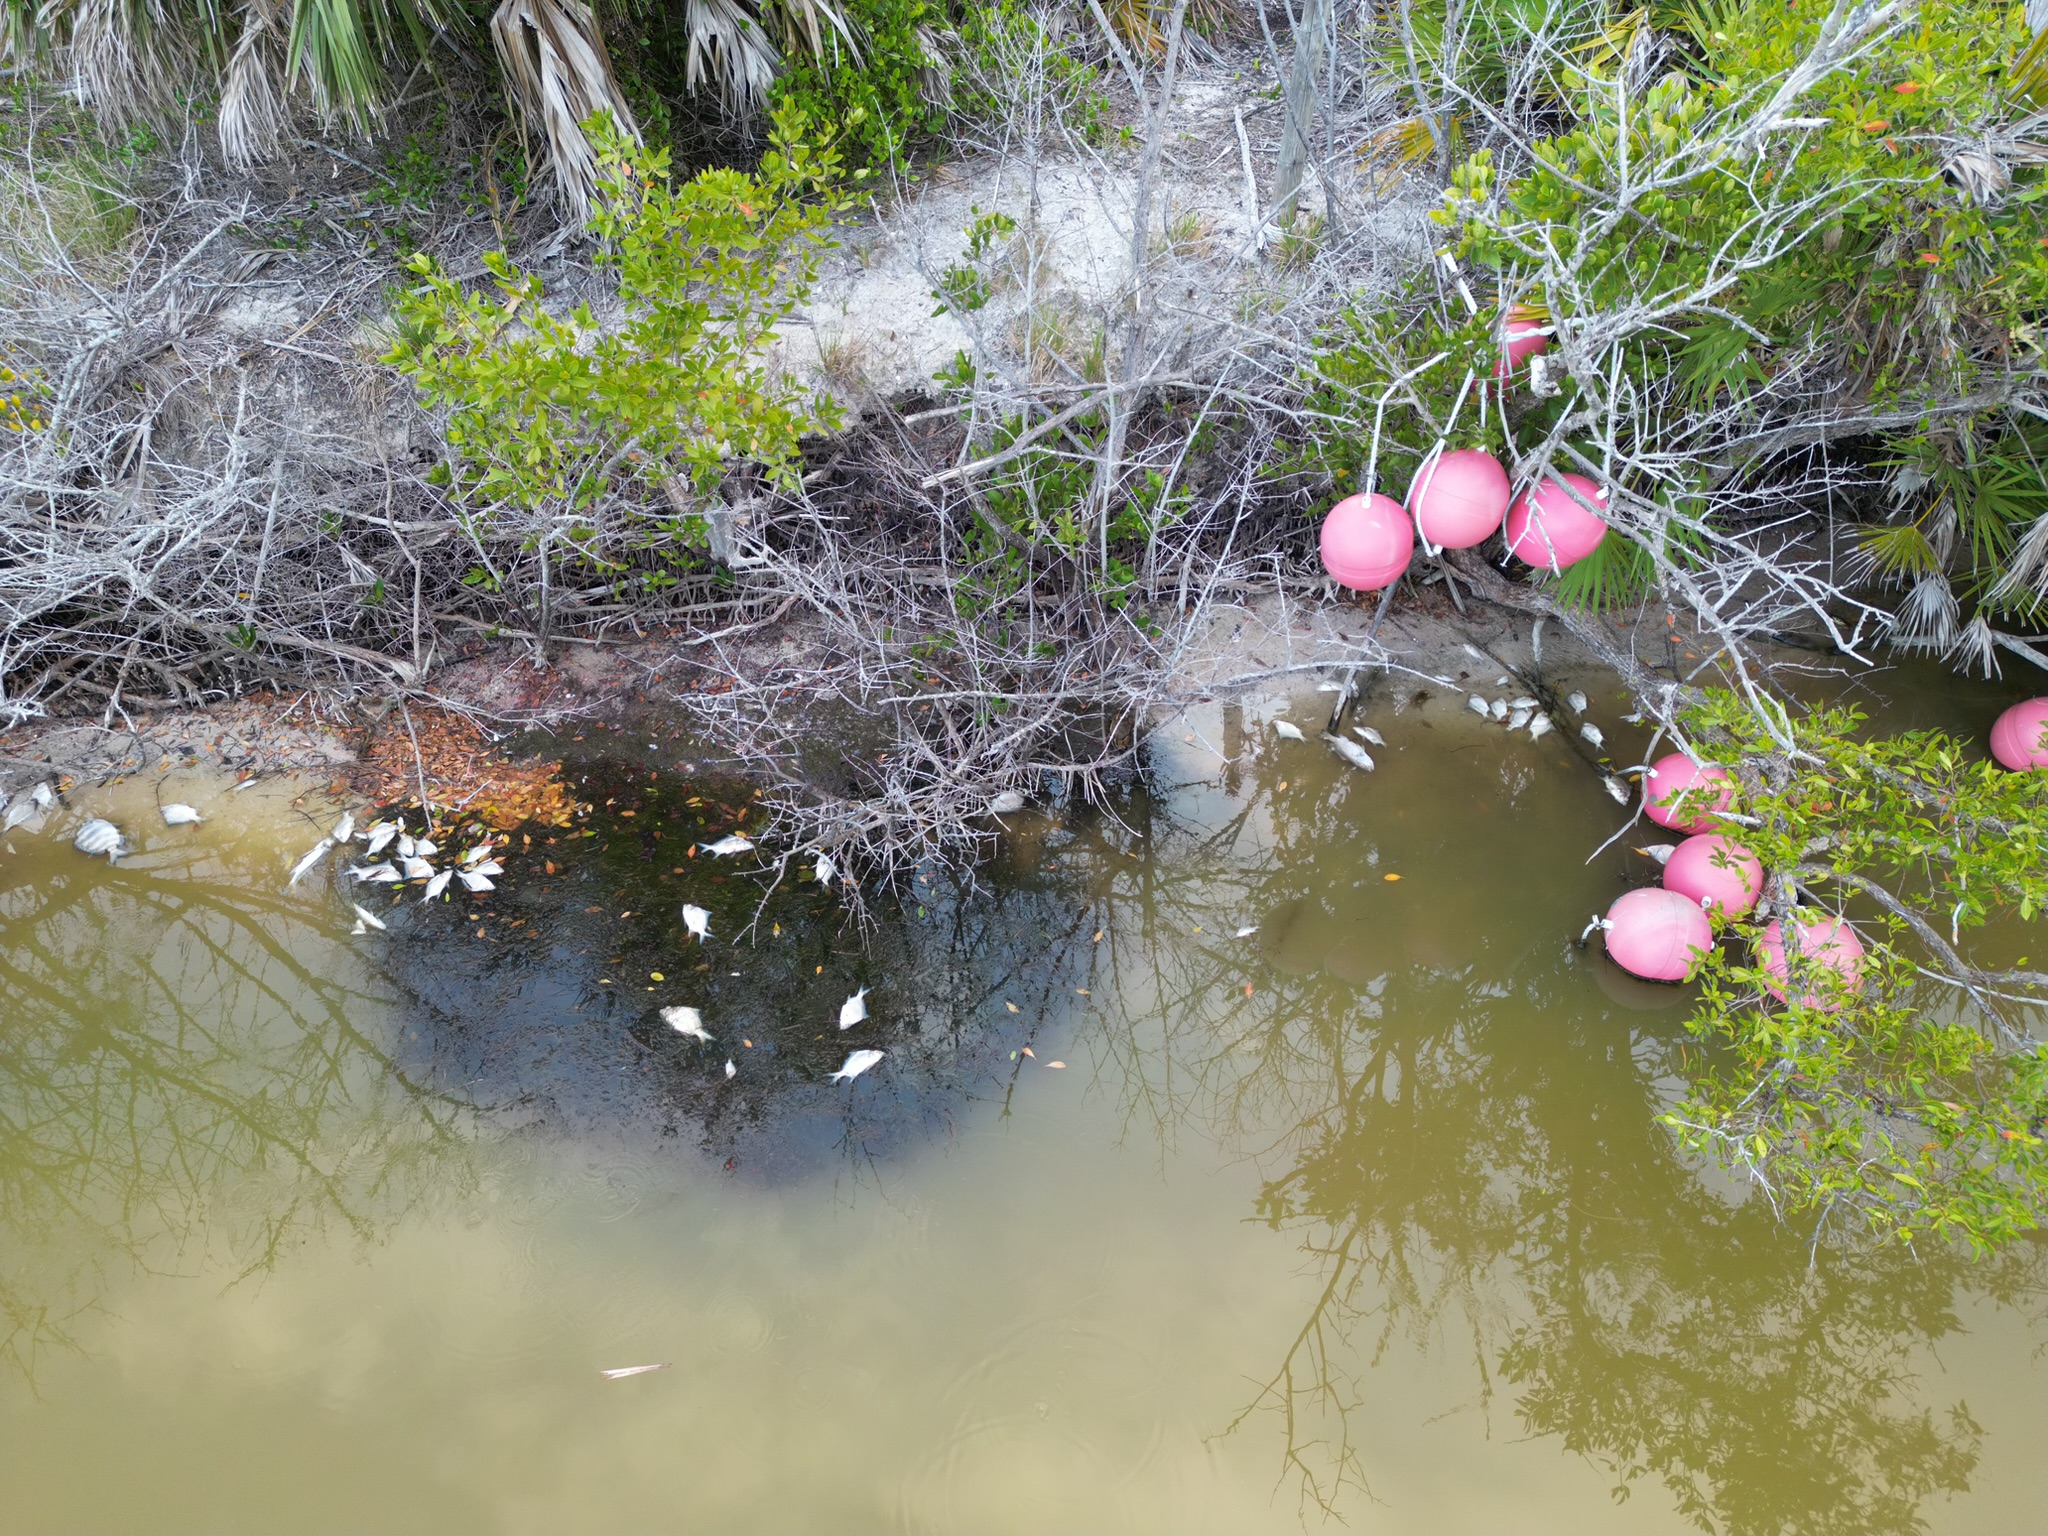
column 885, row 90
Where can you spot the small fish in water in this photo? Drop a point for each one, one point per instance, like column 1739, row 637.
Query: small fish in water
column 406, row 846
column 1004, row 804
column 248, row 783
column 856, row 1064
column 1524, row 702
column 1287, row 730
column 1477, row 705
column 345, row 828
column 1475, row 653
column 97, row 837
column 731, row 1071
column 1634, row 719
column 1370, row 735
column 1498, row 709
column 477, row 855
column 380, row 833
column 686, row 1021
column 416, row 868
column 314, row 856
column 438, row 884
column 376, row 874
column 425, row 848
column 1248, row 931
column 824, row 869
column 1540, row 727
column 1519, row 719
column 854, row 1009
column 1616, row 789
column 488, row 867
column 24, row 808
column 1661, row 852
column 620, row 1373
column 1576, row 702
column 367, row 919
column 732, row 843
column 697, row 920
column 1351, row 752
column 472, row 881
column 1592, row 733
column 181, row 816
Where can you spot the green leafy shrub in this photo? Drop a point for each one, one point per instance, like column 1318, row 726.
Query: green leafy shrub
column 885, row 93
column 1006, row 47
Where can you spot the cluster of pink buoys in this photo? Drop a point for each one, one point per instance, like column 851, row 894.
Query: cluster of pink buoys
column 1458, row 500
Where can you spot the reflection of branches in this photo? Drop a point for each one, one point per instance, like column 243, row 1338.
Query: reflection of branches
column 168, row 1035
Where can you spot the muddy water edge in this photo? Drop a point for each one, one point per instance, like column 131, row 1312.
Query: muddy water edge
column 1143, row 1223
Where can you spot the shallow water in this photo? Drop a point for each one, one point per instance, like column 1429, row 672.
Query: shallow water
column 1365, row 1212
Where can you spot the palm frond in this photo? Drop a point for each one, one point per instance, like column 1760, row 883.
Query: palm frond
column 253, row 108
column 728, row 48
column 559, row 76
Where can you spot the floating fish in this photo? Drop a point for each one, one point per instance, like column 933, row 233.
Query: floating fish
column 23, row 809
column 854, row 1009
column 1007, row 802
column 1287, row 730
column 1661, row 852
column 1498, row 709
column 1540, row 727
column 176, row 815
column 376, row 874
column 472, row 881
column 314, row 856
column 856, row 1064
column 732, row 843
column 1519, row 719
column 824, row 869
column 1247, row 932
column 416, row 868
column 1617, row 790
column 1525, row 702
column 406, row 846
column 476, row 855
column 686, row 1021
column 97, row 837
column 488, row 867
column 345, row 828
column 438, row 884
column 1371, row 735
column 425, row 848
column 697, row 920
column 1576, row 702
column 1350, row 751
column 620, row 1373
column 248, row 783
column 367, row 919
column 1477, row 705
column 731, row 1071
column 1592, row 733
column 380, row 833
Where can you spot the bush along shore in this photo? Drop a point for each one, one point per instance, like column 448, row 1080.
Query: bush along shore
column 919, row 401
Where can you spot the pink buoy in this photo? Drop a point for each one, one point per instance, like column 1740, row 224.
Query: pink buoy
column 1459, row 498
column 1658, row 935
column 1824, row 940
column 1522, row 336
column 1546, row 528
column 2017, row 736
column 1670, row 777
column 1367, row 542
column 1721, row 876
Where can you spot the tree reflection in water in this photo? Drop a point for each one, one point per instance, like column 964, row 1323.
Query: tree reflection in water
column 190, row 1073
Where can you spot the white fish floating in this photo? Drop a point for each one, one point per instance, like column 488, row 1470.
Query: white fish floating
column 97, row 837
column 1498, row 709
column 407, row 848
column 367, row 919
column 176, row 815
column 1287, row 730
column 476, row 855
column 1477, row 705
column 438, row 884
column 854, row 1009
column 1006, row 803
column 488, row 867
column 1661, row 852
column 1592, row 733
column 1540, row 727
column 824, row 869
column 379, row 834
column 472, row 881
column 376, row 874
column 686, row 1021
column 1616, row 790
column 345, row 828
column 1524, row 702
column 1247, row 931
column 1351, row 752
column 620, row 1373
column 23, row 809
column 313, row 856
column 856, row 1064
column 731, row 843
column 1519, row 719
column 1371, row 735
column 697, row 920
column 1576, row 702
column 731, row 1071
column 416, row 868
column 248, row 783
column 425, row 847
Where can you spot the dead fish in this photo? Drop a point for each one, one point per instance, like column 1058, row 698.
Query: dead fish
column 425, row 847
column 345, row 828
column 1524, row 702
column 313, row 856
column 438, row 884
column 1540, row 727
column 375, row 874
column 1247, row 932
column 1370, row 735
column 1477, row 705
column 1576, row 702
column 856, row 1064
column 488, row 867
column 407, row 848
column 1498, row 709
column 379, row 834
column 732, row 843
column 1661, row 852
column 476, row 855
column 697, row 920
column 472, row 881
column 1592, row 733
column 854, row 1009
column 366, row 919
column 23, row 809
column 1351, row 752
column 248, row 783
column 1616, row 789
column 824, row 869
column 1288, row 730
column 176, row 815
column 620, row 1373
column 686, row 1021
column 97, row 837
column 731, row 1071
column 416, row 868
column 1519, row 719
column 1006, row 803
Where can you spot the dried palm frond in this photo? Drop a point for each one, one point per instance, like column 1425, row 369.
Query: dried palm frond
column 253, row 109
column 559, row 76
column 803, row 25
column 728, row 47
column 935, row 74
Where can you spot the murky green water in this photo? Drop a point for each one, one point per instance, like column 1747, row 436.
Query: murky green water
column 1366, row 1211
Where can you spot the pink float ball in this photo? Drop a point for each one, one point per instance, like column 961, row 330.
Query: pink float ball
column 1669, row 777
column 1824, row 940
column 1658, row 935
column 1546, row 528
column 1522, row 336
column 1721, row 876
column 1459, row 498
column 1367, row 542
column 2017, row 739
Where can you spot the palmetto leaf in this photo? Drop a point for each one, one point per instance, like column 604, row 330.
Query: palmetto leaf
column 559, row 77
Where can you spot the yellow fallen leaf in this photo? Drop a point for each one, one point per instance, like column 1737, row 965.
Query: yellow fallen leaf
column 1056, row 1065
column 1084, row 991
column 656, row 976
column 1098, row 936
column 1031, row 1053
column 1011, row 1006
column 1390, row 879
